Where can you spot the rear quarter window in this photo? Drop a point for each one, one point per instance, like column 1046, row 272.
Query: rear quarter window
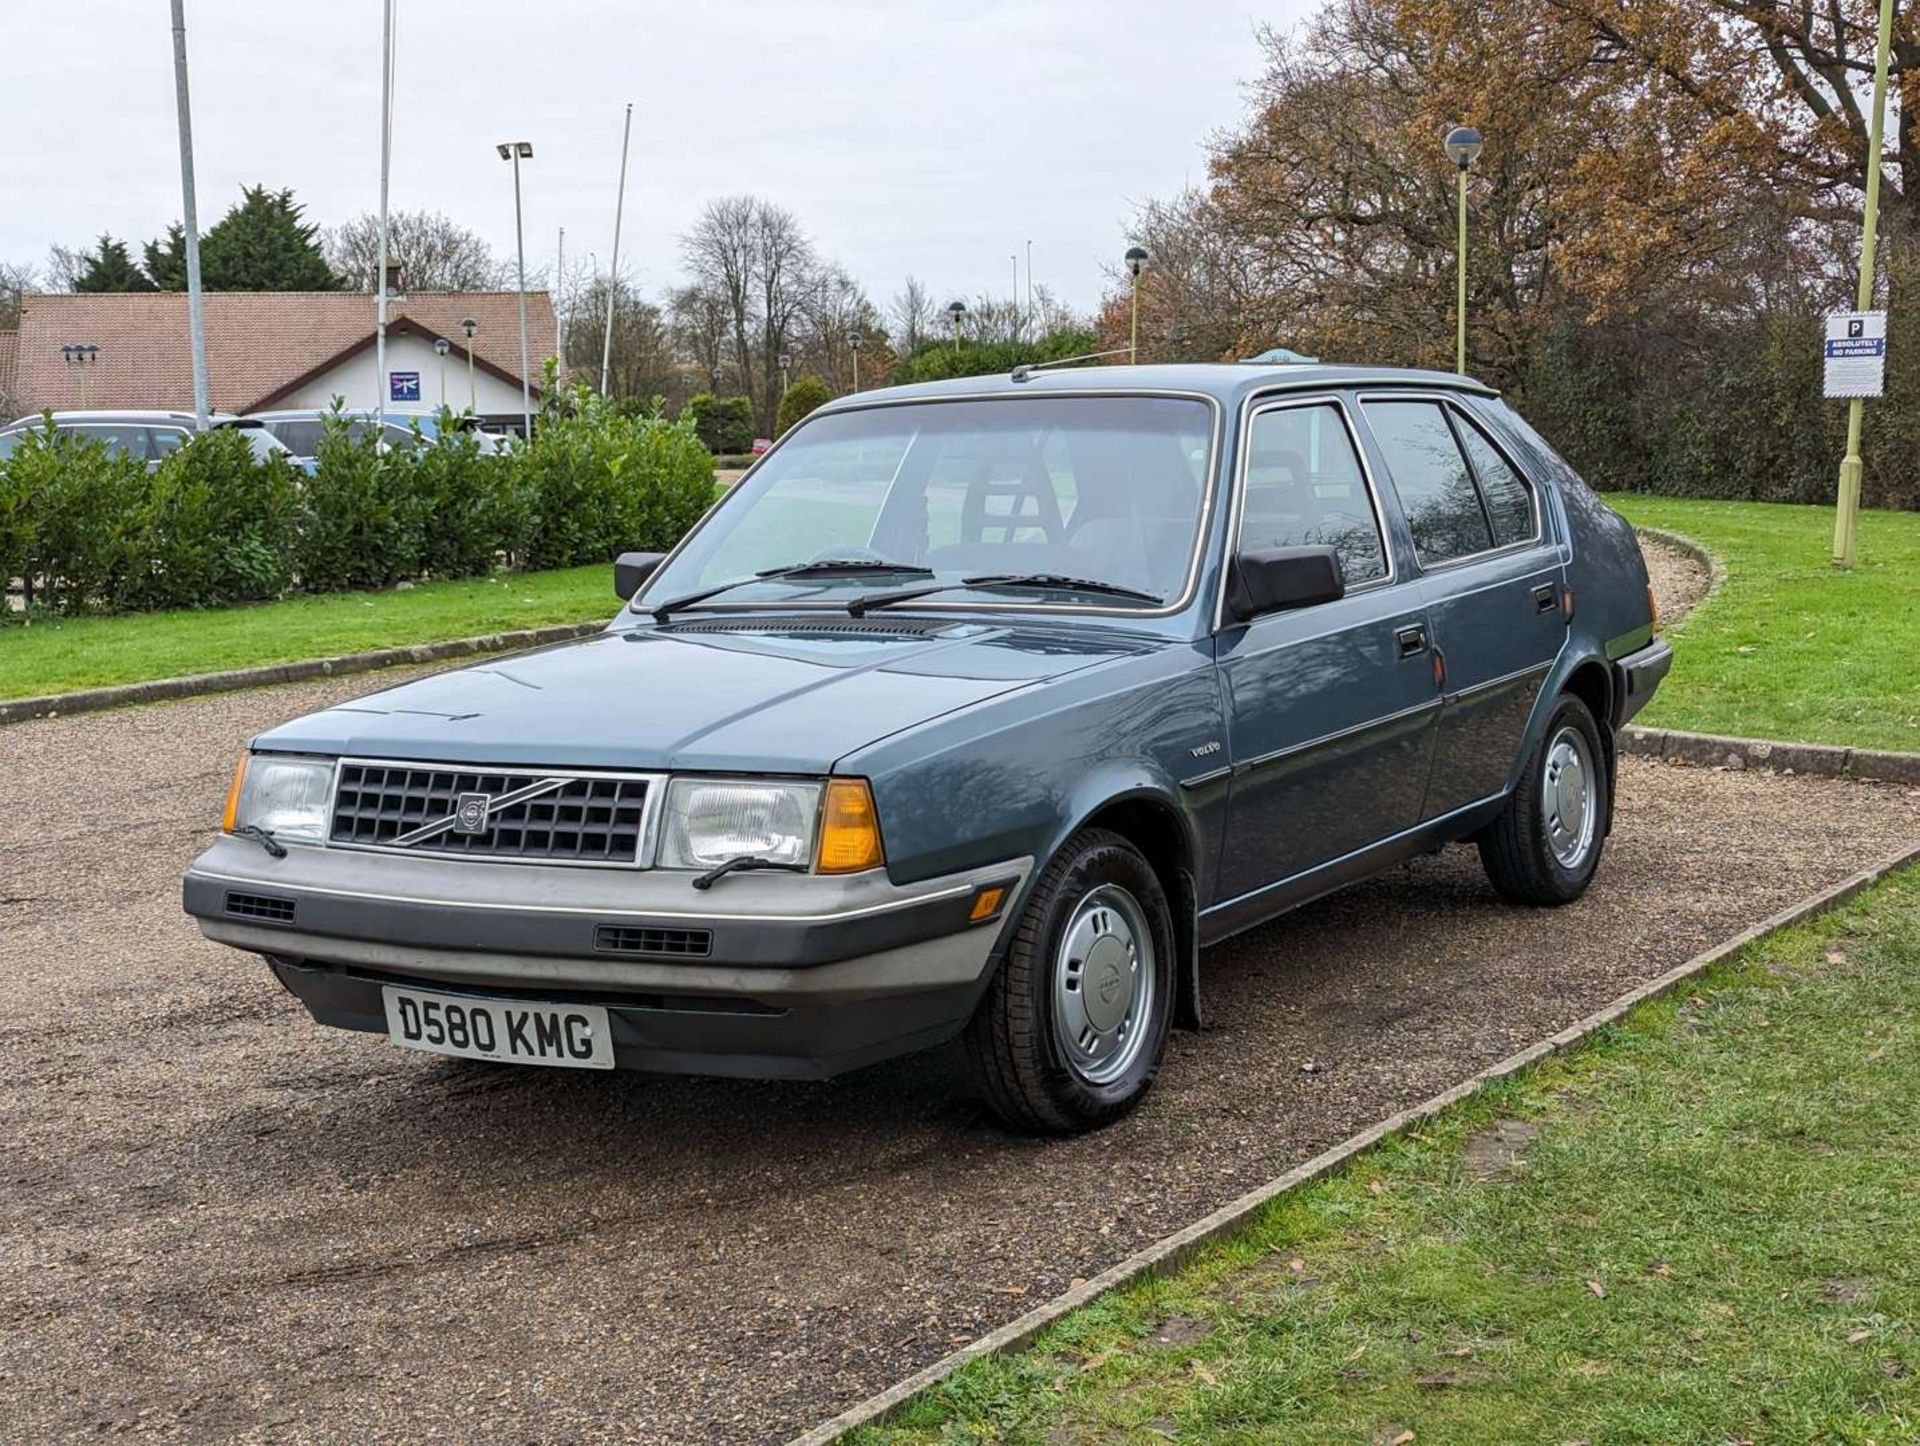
column 1432, row 478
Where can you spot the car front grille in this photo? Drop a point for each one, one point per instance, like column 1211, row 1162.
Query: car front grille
column 511, row 814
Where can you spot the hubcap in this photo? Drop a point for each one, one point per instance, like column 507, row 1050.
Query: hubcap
column 1103, row 985
column 1566, row 797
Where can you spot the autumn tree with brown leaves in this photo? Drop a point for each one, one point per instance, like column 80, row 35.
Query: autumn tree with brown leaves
column 1668, row 201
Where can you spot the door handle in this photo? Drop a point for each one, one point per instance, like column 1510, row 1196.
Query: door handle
column 1545, row 598
column 1412, row 641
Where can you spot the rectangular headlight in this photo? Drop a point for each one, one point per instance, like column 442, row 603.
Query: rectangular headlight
column 285, row 795
column 711, row 820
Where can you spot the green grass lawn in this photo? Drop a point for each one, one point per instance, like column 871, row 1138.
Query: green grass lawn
column 1702, row 1227
column 59, row 655
column 1790, row 648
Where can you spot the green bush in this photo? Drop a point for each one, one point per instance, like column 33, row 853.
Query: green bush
column 602, row 484
column 359, row 524
column 74, row 517
column 471, row 510
column 723, row 424
column 805, row 395
column 216, row 527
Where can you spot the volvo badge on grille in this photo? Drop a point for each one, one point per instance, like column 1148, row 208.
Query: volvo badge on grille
column 470, row 814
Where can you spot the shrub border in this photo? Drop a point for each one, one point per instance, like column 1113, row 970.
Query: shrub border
column 1169, row 1252
column 158, row 690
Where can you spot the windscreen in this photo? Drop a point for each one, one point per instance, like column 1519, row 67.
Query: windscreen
column 1103, row 488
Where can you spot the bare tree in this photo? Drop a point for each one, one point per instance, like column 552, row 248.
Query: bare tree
column 434, row 252
column 914, row 314
column 642, row 360
column 835, row 310
column 64, row 267
column 16, row 279
column 752, row 256
column 700, row 332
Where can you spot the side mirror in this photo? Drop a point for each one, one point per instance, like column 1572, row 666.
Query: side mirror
column 1281, row 578
column 632, row 570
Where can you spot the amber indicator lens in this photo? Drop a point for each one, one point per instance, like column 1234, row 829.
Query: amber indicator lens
column 986, row 904
column 229, row 818
column 849, row 830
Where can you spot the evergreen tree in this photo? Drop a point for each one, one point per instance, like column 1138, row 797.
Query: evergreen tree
column 167, row 260
column 110, row 268
column 259, row 245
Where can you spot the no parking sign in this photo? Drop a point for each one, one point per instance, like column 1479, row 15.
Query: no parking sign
column 1857, row 354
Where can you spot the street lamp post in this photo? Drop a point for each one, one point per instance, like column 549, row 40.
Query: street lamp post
column 516, row 152
column 1846, row 518
column 1463, row 146
column 190, row 219
column 956, row 310
column 383, row 382
column 853, row 345
column 1137, row 259
column 82, row 355
column 470, row 326
column 786, row 361
column 441, row 347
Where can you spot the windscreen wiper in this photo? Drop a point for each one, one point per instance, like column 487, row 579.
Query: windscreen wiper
column 740, row 865
column 819, row 567
column 1054, row 580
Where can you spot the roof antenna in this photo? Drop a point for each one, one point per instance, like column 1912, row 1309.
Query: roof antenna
column 1026, row 369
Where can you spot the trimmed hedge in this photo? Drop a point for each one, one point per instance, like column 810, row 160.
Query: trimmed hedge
column 85, row 531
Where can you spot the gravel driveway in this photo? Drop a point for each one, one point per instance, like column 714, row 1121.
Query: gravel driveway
column 219, row 1221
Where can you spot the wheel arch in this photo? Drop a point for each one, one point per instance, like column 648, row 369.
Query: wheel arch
column 1149, row 816
column 1591, row 681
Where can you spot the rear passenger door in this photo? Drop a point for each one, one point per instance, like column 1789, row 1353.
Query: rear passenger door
column 1493, row 584
column 1330, row 708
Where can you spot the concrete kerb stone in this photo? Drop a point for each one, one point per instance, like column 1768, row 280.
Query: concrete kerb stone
column 1681, row 543
column 1171, row 1251
column 161, row 690
column 1820, row 760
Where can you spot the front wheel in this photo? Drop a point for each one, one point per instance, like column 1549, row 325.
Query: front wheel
column 1545, row 845
column 1074, row 1024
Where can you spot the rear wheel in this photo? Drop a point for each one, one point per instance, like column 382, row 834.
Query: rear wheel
column 1074, row 1024
column 1546, row 844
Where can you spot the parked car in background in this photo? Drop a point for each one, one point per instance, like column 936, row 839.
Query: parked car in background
column 149, row 436
column 301, row 431
column 975, row 709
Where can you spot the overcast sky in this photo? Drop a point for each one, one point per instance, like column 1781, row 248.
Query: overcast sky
column 927, row 136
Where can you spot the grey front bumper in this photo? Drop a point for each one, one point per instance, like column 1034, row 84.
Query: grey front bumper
column 801, row 975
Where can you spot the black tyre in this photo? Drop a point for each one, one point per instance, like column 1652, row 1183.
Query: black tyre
column 1546, row 844
column 1072, row 1029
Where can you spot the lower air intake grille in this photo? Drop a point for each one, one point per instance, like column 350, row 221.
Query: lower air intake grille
column 264, row 908
column 677, row 943
column 491, row 813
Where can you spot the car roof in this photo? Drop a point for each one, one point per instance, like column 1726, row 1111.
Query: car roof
column 130, row 418
column 1227, row 382
column 320, row 415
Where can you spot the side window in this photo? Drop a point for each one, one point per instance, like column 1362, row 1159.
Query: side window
column 167, row 440
column 1509, row 499
column 1432, row 479
column 1304, row 488
column 121, row 440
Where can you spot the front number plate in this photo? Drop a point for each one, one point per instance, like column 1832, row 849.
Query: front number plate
column 570, row 1036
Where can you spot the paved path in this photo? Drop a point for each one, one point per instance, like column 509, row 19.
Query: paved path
column 219, row 1221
